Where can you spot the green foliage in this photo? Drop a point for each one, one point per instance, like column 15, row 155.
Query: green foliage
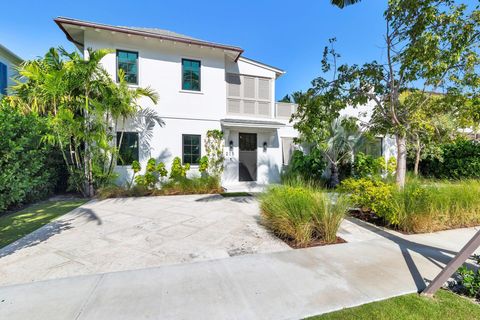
column 428, row 44
column 28, row 167
column 457, row 160
column 214, row 146
column 203, row 164
column 372, row 195
column 306, row 167
column 178, row 171
column 302, row 215
column 469, row 281
column 16, row 225
column 391, row 166
column 367, row 165
column 420, row 206
column 161, row 169
column 194, row 185
column 444, row 305
column 82, row 105
column 153, row 172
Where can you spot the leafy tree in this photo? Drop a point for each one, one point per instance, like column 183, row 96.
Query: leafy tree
column 430, row 124
column 429, row 45
column 82, row 105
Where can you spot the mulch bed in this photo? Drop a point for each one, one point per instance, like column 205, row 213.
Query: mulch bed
column 369, row 217
column 315, row 243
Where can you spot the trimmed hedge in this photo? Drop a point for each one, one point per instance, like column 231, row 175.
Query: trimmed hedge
column 28, row 167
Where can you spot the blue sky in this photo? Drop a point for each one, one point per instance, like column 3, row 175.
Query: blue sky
column 290, row 35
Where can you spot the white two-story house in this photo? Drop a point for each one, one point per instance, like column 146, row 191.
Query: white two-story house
column 202, row 86
column 8, row 63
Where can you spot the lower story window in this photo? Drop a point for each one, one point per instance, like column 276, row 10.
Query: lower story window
column 191, row 148
column 373, row 147
column 127, row 143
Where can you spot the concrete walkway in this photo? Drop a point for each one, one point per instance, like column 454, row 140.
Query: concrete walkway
column 282, row 285
column 136, row 233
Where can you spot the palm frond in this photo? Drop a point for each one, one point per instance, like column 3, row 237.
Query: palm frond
column 343, row 3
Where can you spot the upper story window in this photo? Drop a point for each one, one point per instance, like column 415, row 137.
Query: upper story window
column 128, row 62
column 191, row 148
column 127, row 143
column 3, row 78
column 191, row 75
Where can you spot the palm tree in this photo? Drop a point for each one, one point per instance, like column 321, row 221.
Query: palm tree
column 339, row 146
column 81, row 101
column 343, row 3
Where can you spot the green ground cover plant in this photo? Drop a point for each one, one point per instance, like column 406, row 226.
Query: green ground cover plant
column 14, row 226
column 445, row 305
column 302, row 215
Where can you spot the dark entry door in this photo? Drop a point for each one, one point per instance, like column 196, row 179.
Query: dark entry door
column 247, row 157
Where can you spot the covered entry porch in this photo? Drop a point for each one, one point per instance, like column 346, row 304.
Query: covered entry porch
column 253, row 154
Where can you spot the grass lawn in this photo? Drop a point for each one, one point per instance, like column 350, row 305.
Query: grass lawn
column 15, row 225
column 445, row 305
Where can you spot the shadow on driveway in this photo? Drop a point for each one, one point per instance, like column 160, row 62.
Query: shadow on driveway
column 47, row 231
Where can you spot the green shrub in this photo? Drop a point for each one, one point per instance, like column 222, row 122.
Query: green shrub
column 178, row 171
column 151, row 177
column 194, row 185
column 114, row 191
column 372, row 195
column 419, row 206
column 457, row 160
column 307, row 167
column 28, row 167
column 203, row 165
column 365, row 165
column 301, row 215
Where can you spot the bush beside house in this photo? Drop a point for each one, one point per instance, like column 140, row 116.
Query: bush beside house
column 28, row 167
column 456, row 160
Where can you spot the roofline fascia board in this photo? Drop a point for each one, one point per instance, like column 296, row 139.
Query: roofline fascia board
column 60, row 21
column 263, row 65
column 10, row 54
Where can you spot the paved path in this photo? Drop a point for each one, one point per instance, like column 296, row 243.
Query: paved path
column 280, row 285
column 134, row 233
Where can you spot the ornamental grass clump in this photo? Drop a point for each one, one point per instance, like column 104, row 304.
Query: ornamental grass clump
column 302, row 215
column 439, row 206
column 421, row 206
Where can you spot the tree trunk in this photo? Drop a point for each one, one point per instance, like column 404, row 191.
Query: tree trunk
column 401, row 159
column 417, row 160
column 334, row 180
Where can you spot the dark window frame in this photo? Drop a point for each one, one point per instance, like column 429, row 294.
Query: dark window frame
column 191, row 154
column 3, row 79
column 136, row 62
column 199, row 75
column 119, row 161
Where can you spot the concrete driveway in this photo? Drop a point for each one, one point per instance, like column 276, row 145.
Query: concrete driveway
column 133, row 233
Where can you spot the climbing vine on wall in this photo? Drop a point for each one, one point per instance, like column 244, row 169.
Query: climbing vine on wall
column 214, row 146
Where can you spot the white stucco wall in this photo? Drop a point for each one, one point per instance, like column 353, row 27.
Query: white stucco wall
column 11, row 64
column 364, row 114
column 159, row 67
